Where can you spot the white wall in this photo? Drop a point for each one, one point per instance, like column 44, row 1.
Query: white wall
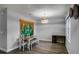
column 73, row 42
column 72, row 35
column 13, row 29
column 3, row 29
column 45, row 31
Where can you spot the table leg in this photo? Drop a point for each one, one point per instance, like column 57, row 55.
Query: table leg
column 23, row 45
column 19, row 43
column 28, row 45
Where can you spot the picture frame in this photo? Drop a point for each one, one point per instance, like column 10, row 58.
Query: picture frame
column 75, row 11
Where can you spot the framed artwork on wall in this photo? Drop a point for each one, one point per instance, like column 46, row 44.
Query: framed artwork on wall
column 70, row 12
column 76, row 11
column 26, row 27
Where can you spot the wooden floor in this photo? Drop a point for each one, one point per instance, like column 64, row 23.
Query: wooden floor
column 42, row 48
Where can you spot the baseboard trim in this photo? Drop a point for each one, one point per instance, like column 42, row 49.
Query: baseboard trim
column 67, row 42
column 6, row 51
column 3, row 50
column 12, row 49
column 45, row 41
column 67, row 49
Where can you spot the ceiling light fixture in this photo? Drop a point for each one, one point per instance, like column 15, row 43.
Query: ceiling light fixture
column 44, row 18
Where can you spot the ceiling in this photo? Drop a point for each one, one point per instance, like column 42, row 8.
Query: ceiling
column 55, row 13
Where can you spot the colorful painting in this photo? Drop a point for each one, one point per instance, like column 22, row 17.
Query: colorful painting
column 26, row 27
